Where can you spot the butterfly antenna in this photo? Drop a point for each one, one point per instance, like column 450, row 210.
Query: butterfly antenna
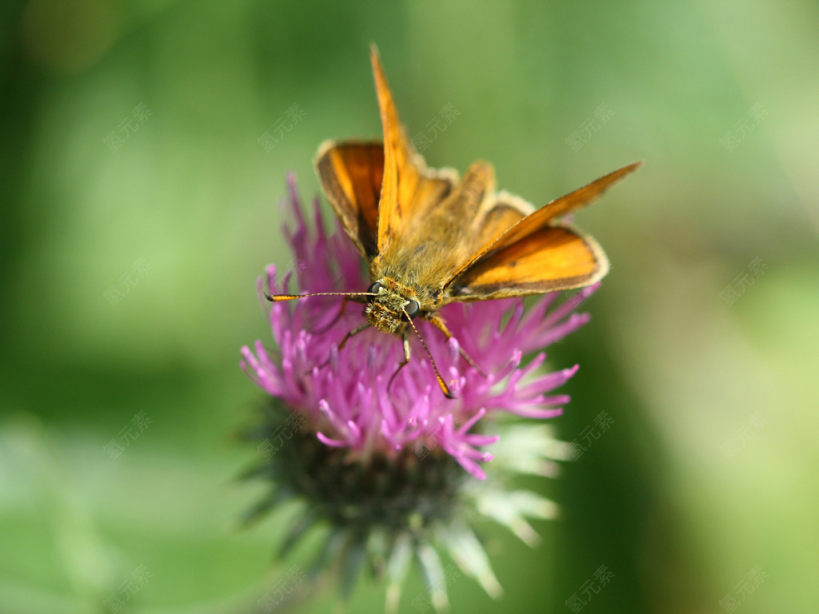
column 444, row 388
column 278, row 298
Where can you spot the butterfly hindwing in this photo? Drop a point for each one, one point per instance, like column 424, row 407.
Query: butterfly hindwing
column 503, row 211
column 350, row 173
column 534, row 254
column 554, row 258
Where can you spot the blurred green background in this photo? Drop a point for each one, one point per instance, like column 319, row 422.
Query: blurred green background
column 139, row 189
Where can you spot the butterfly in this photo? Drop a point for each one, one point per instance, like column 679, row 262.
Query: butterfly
column 431, row 238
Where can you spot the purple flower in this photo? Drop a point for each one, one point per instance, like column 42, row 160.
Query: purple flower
column 343, row 394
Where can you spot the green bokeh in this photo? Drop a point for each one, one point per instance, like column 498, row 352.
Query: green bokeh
column 708, row 471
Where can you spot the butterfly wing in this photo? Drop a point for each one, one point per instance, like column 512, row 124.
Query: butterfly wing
column 350, row 173
column 535, row 254
column 501, row 213
column 377, row 187
column 561, row 206
column 438, row 239
column 553, row 258
column 408, row 188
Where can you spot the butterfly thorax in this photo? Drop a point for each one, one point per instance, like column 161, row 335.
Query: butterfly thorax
column 388, row 310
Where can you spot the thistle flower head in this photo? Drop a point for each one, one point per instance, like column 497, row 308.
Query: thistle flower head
column 343, row 394
column 367, row 457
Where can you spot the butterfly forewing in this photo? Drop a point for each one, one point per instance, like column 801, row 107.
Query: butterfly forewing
column 403, row 167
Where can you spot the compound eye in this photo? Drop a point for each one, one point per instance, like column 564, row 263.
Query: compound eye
column 375, row 288
column 412, row 308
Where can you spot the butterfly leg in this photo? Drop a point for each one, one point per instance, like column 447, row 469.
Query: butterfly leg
column 333, row 322
column 352, row 334
column 439, row 323
column 341, row 311
column 344, row 341
column 407, row 355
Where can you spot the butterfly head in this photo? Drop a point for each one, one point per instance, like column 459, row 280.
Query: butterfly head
column 389, row 308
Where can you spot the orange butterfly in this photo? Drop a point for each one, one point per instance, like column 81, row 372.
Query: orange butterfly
column 432, row 239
